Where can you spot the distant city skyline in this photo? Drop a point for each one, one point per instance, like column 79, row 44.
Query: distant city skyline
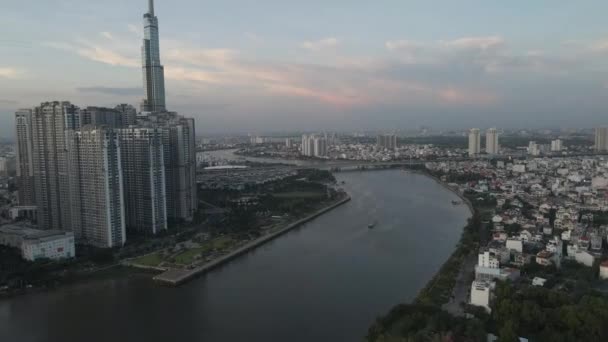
column 250, row 66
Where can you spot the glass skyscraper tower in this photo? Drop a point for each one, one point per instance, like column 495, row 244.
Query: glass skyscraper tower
column 153, row 71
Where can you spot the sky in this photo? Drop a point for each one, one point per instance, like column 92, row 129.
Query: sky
column 273, row 65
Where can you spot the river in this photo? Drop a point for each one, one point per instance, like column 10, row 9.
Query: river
column 325, row 281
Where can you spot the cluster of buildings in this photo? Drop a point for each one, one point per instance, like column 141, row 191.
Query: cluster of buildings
column 240, row 178
column 492, row 146
column 387, row 142
column 314, row 146
column 546, row 211
column 100, row 172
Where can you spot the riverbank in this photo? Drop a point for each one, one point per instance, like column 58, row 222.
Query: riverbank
column 176, row 277
column 439, row 291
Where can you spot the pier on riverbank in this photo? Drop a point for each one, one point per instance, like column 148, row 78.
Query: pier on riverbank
column 176, row 277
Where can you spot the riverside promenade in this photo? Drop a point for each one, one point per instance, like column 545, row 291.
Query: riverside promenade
column 176, row 277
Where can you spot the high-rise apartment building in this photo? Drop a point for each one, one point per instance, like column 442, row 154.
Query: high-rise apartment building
column 474, row 142
column 143, row 157
column 153, row 71
column 320, row 147
column 387, row 141
column 492, row 146
column 96, row 186
column 534, row 149
column 601, row 139
column 180, row 162
column 50, row 122
column 556, row 145
column 25, row 164
column 128, row 113
column 100, row 116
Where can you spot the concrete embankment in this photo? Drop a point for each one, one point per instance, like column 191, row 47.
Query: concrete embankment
column 175, row 277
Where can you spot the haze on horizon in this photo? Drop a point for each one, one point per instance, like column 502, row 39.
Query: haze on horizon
column 245, row 65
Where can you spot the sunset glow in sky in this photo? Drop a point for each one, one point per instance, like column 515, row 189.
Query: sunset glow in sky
column 245, row 65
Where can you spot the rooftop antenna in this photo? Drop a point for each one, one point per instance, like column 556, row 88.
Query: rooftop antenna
column 151, row 7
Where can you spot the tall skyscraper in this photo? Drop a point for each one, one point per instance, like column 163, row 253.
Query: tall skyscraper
column 50, row 122
column 320, row 147
column 474, row 142
column 601, row 139
column 96, row 186
column 180, row 162
column 492, row 146
column 153, row 71
column 143, row 157
column 387, row 141
column 25, row 153
column 308, row 145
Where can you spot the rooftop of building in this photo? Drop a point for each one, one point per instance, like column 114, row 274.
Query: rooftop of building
column 27, row 232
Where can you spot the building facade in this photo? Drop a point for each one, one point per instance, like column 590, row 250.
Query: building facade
column 96, row 187
column 601, row 139
column 143, row 154
column 556, row 145
column 50, row 122
column 474, row 142
column 387, row 141
column 492, row 146
column 37, row 244
column 128, row 114
column 25, row 163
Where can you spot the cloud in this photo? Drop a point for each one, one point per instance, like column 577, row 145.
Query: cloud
column 112, row 90
column 96, row 53
column 319, row 45
column 10, row 73
column 600, row 46
column 393, row 45
column 253, row 37
column 107, row 35
column 136, row 30
column 8, row 102
column 479, row 43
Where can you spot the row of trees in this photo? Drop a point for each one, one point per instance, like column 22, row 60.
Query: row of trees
column 424, row 323
column 541, row 314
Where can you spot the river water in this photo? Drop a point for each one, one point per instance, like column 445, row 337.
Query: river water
column 325, row 281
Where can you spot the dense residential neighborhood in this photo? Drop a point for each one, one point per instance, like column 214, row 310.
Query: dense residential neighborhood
column 546, row 214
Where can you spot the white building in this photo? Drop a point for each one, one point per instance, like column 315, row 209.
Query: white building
column 533, row 149
column 314, row 146
column 515, row 245
column 556, row 145
column 38, row 244
column 480, row 294
column 537, row 281
column 601, row 139
column 474, row 142
column 486, row 259
column 492, row 141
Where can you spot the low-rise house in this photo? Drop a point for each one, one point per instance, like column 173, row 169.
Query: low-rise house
column 545, row 258
column 521, row 259
column 515, row 244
